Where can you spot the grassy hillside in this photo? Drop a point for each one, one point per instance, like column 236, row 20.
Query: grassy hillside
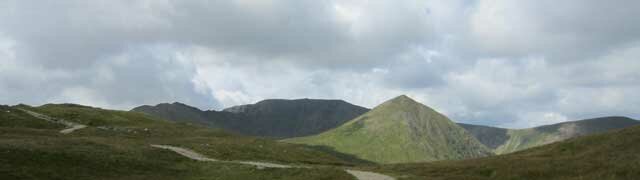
column 400, row 130
column 116, row 146
column 520, row 139
column 511, row 140
column 611, row 155
column 14, row 118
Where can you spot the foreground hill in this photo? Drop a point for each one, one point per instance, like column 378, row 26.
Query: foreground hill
column 511, row 140
column 116, row 145
column 269, row 118
column 609, row 155
column 401, row 130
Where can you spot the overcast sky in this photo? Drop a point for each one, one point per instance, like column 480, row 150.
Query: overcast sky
column 494, row 62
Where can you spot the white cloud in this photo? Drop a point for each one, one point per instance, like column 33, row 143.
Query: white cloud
column 80, row 95
column 532, row 119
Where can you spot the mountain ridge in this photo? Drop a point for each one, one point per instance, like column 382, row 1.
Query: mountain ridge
column 499, row 140
column 276, row 118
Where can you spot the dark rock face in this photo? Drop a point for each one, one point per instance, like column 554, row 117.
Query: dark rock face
column 269, row 118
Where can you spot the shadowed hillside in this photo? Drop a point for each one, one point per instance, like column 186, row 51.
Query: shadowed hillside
column 269, row 118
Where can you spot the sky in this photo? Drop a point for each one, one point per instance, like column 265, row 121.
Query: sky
column 503, row 63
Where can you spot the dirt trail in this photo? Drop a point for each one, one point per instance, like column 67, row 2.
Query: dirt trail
column 199, row 157
column 360, row 175
column 185, row 152
column 73, row 128
column 72, row 125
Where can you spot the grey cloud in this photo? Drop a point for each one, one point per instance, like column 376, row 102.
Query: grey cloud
column 561, row 31
column 122, row 81
column 76, row 33
column 508, row 63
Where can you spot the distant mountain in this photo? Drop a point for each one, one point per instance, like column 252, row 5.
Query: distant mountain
column 401, row 130
column 175, row 112
column 276, row 118
column 511, row 140
column 279, row 118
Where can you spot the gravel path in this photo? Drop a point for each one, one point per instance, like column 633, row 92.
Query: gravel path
column 360, row 175
column 72, row 128
column 199, row 157
column 72, row 125
column 185, row 152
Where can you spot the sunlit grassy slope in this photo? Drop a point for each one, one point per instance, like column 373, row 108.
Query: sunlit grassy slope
column 611, row 155
column 116, row 146
column 520, row 139
column 400, row 130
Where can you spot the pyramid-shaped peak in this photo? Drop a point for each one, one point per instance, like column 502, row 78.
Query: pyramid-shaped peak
column 402, row 130
column 402, row 99
column 403, row 103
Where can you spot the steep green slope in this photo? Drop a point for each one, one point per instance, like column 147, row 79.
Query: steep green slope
column 116, row 146
column 609, row 155
column 275, row 118
column 400, row 130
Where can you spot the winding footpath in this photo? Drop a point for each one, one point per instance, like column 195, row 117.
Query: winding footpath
column 360, row 175
column 72, row 126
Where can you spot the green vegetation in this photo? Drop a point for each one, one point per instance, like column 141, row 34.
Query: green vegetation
column 505, row 141
column 116, row 146
column 400, row 130
column 520, row 139
column 11, row 117
column 611, row 155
